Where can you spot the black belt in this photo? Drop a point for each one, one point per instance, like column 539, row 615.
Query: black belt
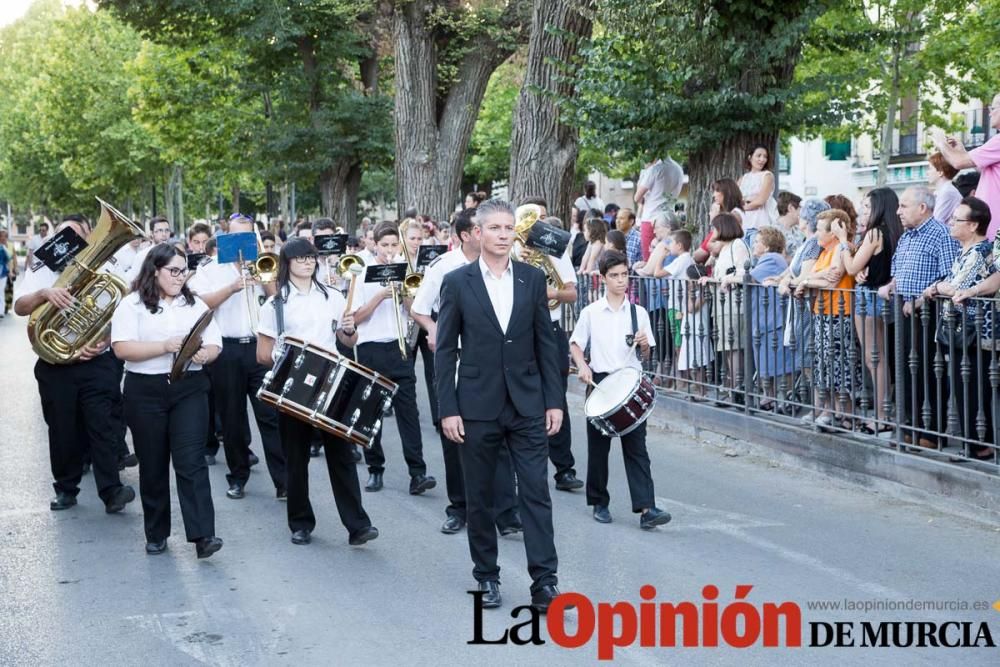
column 162, row 375
column 246, row 340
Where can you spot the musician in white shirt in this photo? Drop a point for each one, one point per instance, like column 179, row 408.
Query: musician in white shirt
column 314, row 313
column 378, row 349
column 168, row 419
column 606, row 326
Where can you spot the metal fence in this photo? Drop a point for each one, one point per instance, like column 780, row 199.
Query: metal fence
column 924, row 380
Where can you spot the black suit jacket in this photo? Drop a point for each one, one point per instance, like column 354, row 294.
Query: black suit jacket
column 521, row 364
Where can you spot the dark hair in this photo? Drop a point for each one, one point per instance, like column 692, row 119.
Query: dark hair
column 696, row 271
column 463, row 222
column 883, row 205
column 386, row 229
column 210, row 245
column 683, row 237
column 155, row 220
column 265, row 236
column 786, row 199
column 296, row 247
column 727, row 226
column 43, row 224
column 323, row 223
column 145, row 283
column 478, row 197
column 410, row 212
column 612, row 208
column 598, row 229
column 301, row 226
column 844, row 204
column 767, row 165
column 732, row 197
column 979, row 212
column 609, row 260
column 590, row 189
column 938, row 162
column 200, row 228
column 78, row 218
column 536, row 201
column 966, row 182
column 616, row 240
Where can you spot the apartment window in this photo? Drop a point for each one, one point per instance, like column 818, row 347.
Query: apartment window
column 837, row 150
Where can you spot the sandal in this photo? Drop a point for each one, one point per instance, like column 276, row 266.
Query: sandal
column 868, row 430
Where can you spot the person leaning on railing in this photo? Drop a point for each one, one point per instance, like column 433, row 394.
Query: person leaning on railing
column 771, row 358
column 957, row 332
column 731, row 256
column 837, row 371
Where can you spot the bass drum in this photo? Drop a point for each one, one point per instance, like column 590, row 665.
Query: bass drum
column 328, row 390
column 621, row 402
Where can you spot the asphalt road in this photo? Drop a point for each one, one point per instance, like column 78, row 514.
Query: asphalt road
column 77, row 588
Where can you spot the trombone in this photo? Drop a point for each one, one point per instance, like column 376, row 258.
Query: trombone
column 264, row 270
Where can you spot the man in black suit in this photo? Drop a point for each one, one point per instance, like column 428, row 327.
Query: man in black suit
column 508, row 394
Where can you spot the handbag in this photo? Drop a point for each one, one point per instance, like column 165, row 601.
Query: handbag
column 952, row 334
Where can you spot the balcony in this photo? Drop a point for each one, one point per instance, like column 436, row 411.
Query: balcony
column 900, row 175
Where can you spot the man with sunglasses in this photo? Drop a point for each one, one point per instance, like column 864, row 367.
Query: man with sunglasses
column 236, row 375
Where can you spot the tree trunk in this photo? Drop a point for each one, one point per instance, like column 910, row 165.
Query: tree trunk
column 432, row 135
column 889, row 124
column 338, row 187
column 722, row 161
column 543, row 148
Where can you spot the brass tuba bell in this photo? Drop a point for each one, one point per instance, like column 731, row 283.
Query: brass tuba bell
column 525, row 218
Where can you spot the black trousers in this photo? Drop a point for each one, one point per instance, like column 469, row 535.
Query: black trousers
column 80, row 398
column 504, row 487
column 427, row 355
column 920, row 393
column 168, row 424
column 525, row 437
column 637, row 467
column 559, row 445
column 117, row 414
column 296, row 436
column 236, row 375
column 211, row 441
column 385, row 358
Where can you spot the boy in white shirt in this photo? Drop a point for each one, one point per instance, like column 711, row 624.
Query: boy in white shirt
column 606, row 326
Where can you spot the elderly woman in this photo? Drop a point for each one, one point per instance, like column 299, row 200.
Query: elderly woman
column 956, row 332
column 770, row 355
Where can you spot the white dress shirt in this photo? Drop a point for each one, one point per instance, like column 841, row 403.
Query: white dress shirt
column 132, row 272
column 605, row 330
column 501, row 291
column 231, row 315
column 380, row 327
column 132, row 321
column 428, row 299
column 309, row 315
column 564, row 267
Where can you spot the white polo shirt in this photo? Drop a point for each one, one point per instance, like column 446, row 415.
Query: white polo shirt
column 231, row 315
column 380, row 327
column 132, row 321
column 605, row 330
column 428, row 299
column 564, row 267
column 309, row 315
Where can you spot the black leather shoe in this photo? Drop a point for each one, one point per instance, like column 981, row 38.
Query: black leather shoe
column 235, row 491
column 374, row 482
column 122, row 497
column 301, row 537
column 364, row 535
column 155, row 548
column 511, row 529
column 252, row 458
column 602, row 514
column 356, row 455
column 421, row 483
column 543, row 597
column 452, row 525
column 62, row 501
column 207, row 546
column 314, row 451
column 569, row 482
column 281, row 494
column 210, row 459
column 128, row 461
column 652, row 518
column 86, row 468
column 492, row 599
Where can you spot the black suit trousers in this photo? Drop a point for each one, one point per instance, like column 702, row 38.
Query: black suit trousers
column 525, row 437
column 560, row 452
column 168, row 420
column 236, row 375
column 504, row 489
column 80, row 399
column 296, row 437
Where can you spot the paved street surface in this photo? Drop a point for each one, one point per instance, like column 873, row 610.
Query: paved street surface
column 77, row 588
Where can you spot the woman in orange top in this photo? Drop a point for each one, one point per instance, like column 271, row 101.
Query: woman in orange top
column 837, row 357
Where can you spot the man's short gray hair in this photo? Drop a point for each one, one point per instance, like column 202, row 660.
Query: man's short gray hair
column 923, row 195
column 666, row 219
column 491, row 206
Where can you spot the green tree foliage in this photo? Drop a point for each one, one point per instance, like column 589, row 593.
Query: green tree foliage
column 489, row 148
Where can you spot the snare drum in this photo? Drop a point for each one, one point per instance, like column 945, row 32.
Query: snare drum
column 621, row 402
column 328, row 390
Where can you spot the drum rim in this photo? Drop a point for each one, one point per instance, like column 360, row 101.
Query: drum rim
column 618, row 406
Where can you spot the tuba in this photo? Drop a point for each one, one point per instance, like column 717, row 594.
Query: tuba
column 526, row 216
column 59, row 336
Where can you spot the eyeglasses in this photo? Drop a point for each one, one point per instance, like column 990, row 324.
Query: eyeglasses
column 954, row 219
column 304, row 259
column 175, row 272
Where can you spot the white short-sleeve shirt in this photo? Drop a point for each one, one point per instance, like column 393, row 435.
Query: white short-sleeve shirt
column 380, row 327
column 309, row 315
column 132, row 321
column 605, row 330
column 428, row 298
column 231, row 315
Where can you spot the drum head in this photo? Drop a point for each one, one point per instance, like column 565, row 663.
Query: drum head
column 612, row 392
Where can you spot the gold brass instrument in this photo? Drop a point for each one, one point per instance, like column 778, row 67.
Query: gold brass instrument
column 346, row 264
column 411, row 283
column 59, row 336
column 400, row 334
column 525, row 217
column 265, row 268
